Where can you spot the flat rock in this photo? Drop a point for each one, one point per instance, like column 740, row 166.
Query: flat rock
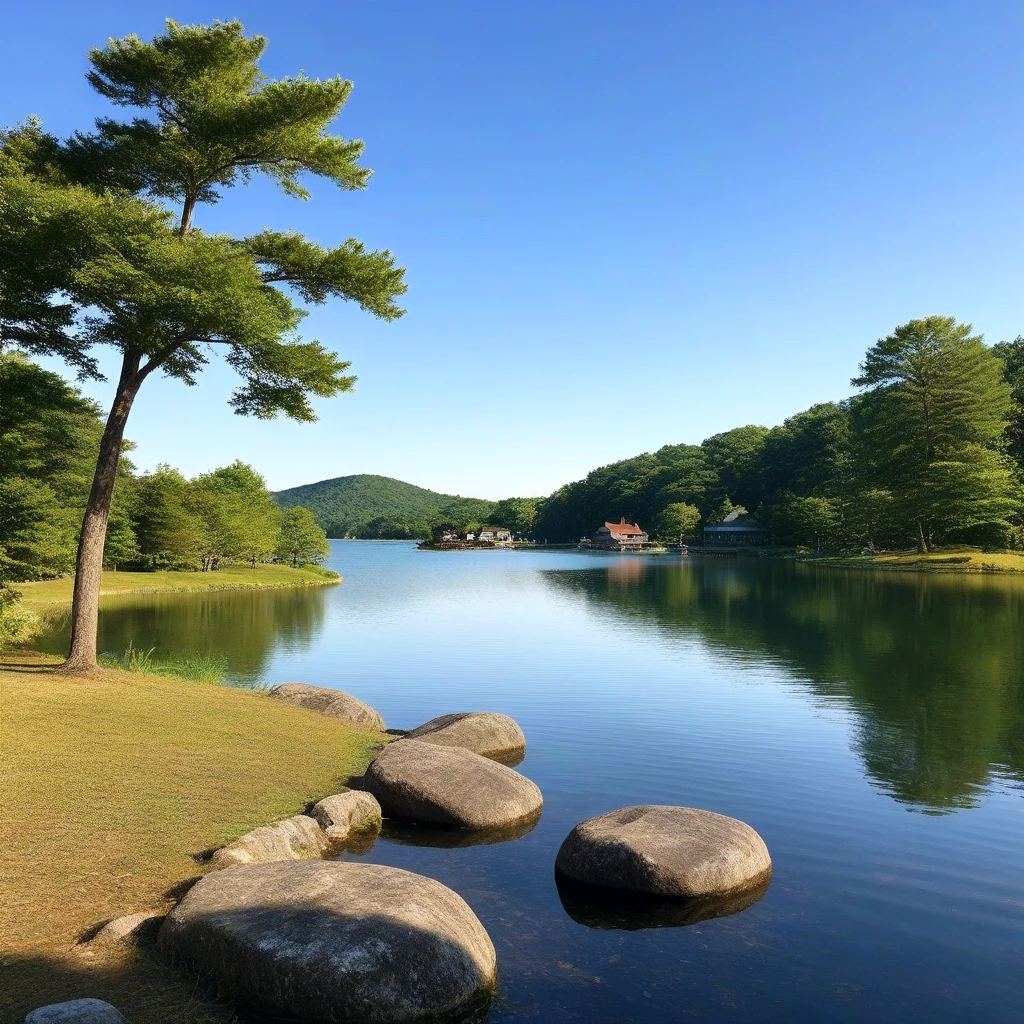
column 335, row 941
column 483, row 732
column 291, row 839
column 449, row 786
column 333, row 703
column 122, row 929
column 78, row 1011
column 347, row 814
column 666, row 851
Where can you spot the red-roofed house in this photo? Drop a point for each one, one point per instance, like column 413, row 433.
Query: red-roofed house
column 620, row 536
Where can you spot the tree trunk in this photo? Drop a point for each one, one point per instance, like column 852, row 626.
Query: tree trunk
column 89, row 564
column 922, row 548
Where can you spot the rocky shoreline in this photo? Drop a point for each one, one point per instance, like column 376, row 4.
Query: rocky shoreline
column 276, row 926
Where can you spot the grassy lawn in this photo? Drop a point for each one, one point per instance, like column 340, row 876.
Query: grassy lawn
column 108, row 786
column 950, row 560
column 234, row 577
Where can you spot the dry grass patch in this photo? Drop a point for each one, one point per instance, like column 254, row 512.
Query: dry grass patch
column 108, row 787
column 948, row 560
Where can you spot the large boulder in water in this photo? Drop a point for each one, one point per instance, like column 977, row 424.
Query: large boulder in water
column 347, row 814
column 291, row 839
column 335, row 941
column 333, row 703
column 78, row 1011
column 449, row 786
column 666, row 851
column 483, row 732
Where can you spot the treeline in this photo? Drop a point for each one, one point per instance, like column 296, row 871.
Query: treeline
column 49, row 436
column 929, row 452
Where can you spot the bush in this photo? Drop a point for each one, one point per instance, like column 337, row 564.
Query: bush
column 17, row 625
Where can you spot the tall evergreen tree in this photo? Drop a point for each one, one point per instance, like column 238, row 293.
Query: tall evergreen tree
column 1012, row 355
column 931, row 423
column 91, row 254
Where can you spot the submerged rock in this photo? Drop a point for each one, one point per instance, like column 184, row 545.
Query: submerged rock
column 78, row 1011
column 483, row 732
column 597, row 906
column 449, row 786
column 335, row 941
column 333, row 703
column 666, row 851
column 291, row 839
column 345, row 814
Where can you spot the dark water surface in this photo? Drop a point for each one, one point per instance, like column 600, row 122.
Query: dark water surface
column 869, row 726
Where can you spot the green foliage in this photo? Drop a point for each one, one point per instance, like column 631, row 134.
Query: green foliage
column 807, row 521
column 49, row 437
column 88, row 255
column 169, row 526
column 515, row 514
column 380, row 507
column 301, row 540
column 924, row 444
column 1012, row 355
column 202, row 667
column 930, row 425
column 678, row 521
column 240, row 519
column 637, row 489
column 17, row 624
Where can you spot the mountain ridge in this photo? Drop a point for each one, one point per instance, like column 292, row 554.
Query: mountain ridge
column 371, row 505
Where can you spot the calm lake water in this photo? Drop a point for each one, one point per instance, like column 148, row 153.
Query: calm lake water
column 869, row 726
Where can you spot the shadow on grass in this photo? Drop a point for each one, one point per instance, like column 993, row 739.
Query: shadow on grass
column 135, row 979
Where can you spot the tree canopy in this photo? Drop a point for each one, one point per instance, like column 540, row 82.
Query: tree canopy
column 99, row 245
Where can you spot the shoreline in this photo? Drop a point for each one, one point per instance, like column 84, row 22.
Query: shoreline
column 1006, row 563
column 42, row 594
column 172, row 768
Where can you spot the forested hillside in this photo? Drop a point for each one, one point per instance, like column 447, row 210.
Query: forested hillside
column 366, row 505
column 930, row 451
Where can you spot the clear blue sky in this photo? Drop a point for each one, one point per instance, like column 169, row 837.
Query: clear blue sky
column 625, row 225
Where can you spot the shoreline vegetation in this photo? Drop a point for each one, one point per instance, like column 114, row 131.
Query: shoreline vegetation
column 133, row 818
column 46, row 593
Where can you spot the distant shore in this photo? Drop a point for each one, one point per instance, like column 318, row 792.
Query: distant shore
column 935, row 561
column 115, row 583
column 956, row 560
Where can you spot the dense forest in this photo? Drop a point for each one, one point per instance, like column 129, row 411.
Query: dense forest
column 930, row 451
column 49, row 436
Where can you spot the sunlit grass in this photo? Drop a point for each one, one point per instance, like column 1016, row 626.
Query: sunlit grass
column 108, row 786
column 234, row 577
column 952, row 559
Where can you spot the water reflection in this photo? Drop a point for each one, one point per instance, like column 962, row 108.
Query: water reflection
column 244, row 626
column 411, row 834
column 612, row 909
column 933, row 665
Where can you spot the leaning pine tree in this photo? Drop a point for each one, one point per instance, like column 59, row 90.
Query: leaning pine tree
column 98, row 243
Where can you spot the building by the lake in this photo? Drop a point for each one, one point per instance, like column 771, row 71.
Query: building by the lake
column 495, row 535
column 736, row 530
column 620, row 536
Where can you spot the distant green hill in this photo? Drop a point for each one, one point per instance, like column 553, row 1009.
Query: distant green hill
column 367, row 505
